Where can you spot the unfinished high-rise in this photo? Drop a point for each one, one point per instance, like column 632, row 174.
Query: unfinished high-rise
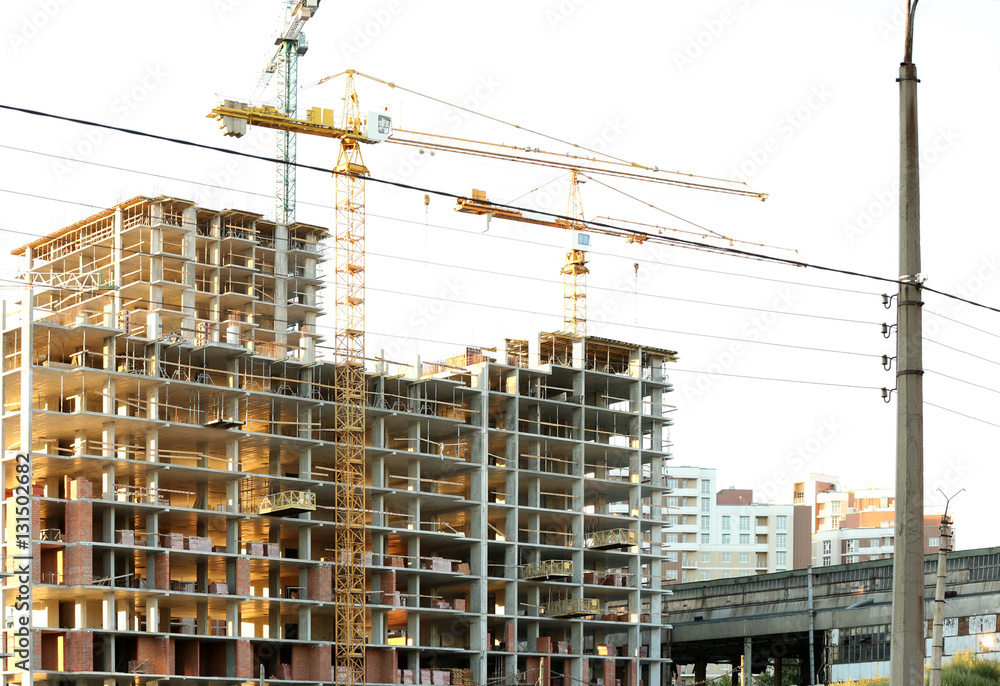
column 164, row 381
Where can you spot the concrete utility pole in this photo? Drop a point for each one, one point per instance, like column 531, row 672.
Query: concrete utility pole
column 906, row 665
column 937, row 631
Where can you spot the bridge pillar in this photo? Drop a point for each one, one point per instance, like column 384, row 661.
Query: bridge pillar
column 700, row 671
column 746, row 670
column 777, row 671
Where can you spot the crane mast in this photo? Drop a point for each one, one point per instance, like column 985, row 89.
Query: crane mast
column 291, row 44
column 575, row 270
column 349, row 396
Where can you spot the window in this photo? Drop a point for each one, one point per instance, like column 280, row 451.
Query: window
column 706, row 505
column 744, row 572
column 706, row 523
column 782, row 523
column 671, row 575
column 726, row 558
column 852, row 545
column 670, row 555
column 672, row 501
column 726, row 522
column 781, row 541
column 744, row 523
column 852, row 559
column 671, row 520
column 781, row 561
column 706, row 539
column 725, row 539
column 744, row 539
column 725, row 574
column 704, row 576
column 671, row 538
column 671, row 483
column 705, row 558
column 744, row 558
column 934, row 541
column 706, row 487
column 827, row 547
column 826, row 560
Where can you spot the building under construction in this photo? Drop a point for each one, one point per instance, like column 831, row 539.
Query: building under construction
column 165, row 383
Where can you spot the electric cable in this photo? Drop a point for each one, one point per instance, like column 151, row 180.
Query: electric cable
column 955, row 378
column 398, row 184
column 962, row 414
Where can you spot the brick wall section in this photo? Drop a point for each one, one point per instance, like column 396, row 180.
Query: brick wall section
column 161, row 568
column 79, row 521
column 633, row 673
column 242, row 577
column 159, row 652
column 319, row 583
column 609, row 673
column 36, row 659
column 585, row 674
column 511, row 638
column 81, row 651
column 189, row 656
column 244, row 659
column 381, row 666
column 36, row 549
column 79, row 564
column 324, row 662
column 78, row 488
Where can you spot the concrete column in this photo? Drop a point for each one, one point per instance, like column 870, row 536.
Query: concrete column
column 777, row 671
column 700, row 672
column 747, row 670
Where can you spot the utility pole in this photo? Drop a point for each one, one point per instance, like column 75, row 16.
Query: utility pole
column 906, row 665
column 937, row 632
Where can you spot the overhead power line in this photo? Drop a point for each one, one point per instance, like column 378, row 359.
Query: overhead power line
column 644, row 235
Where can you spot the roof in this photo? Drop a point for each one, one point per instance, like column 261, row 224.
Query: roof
column 87, row 220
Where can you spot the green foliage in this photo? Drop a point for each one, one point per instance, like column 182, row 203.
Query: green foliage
column 964, row 669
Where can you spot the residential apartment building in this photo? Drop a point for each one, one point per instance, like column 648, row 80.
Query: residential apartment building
column 856, row 525
column 163, row 378
column 724, row 534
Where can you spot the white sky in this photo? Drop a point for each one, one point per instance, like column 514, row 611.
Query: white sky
column 798, row 97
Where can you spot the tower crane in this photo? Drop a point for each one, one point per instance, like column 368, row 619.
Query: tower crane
column 352, row 130
column 291, row 45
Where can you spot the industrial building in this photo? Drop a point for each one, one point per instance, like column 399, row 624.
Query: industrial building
column 164, row 379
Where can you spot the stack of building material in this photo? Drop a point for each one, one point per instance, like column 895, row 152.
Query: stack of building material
column 461, row 677
column 406, row 676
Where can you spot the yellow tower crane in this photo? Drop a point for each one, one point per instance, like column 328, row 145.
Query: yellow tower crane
column 349, row 348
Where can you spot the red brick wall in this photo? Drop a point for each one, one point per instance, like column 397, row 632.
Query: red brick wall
column 188, row 653
column 79, row 521
column 511, row 638
column 161, row 568
column 79, row 564
column 244, row 659
column 609, row 673
column 159, row 652
column 81, row 651
column 380, row 665
column 319, row 582
column 242, row 586
column 633, row 673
